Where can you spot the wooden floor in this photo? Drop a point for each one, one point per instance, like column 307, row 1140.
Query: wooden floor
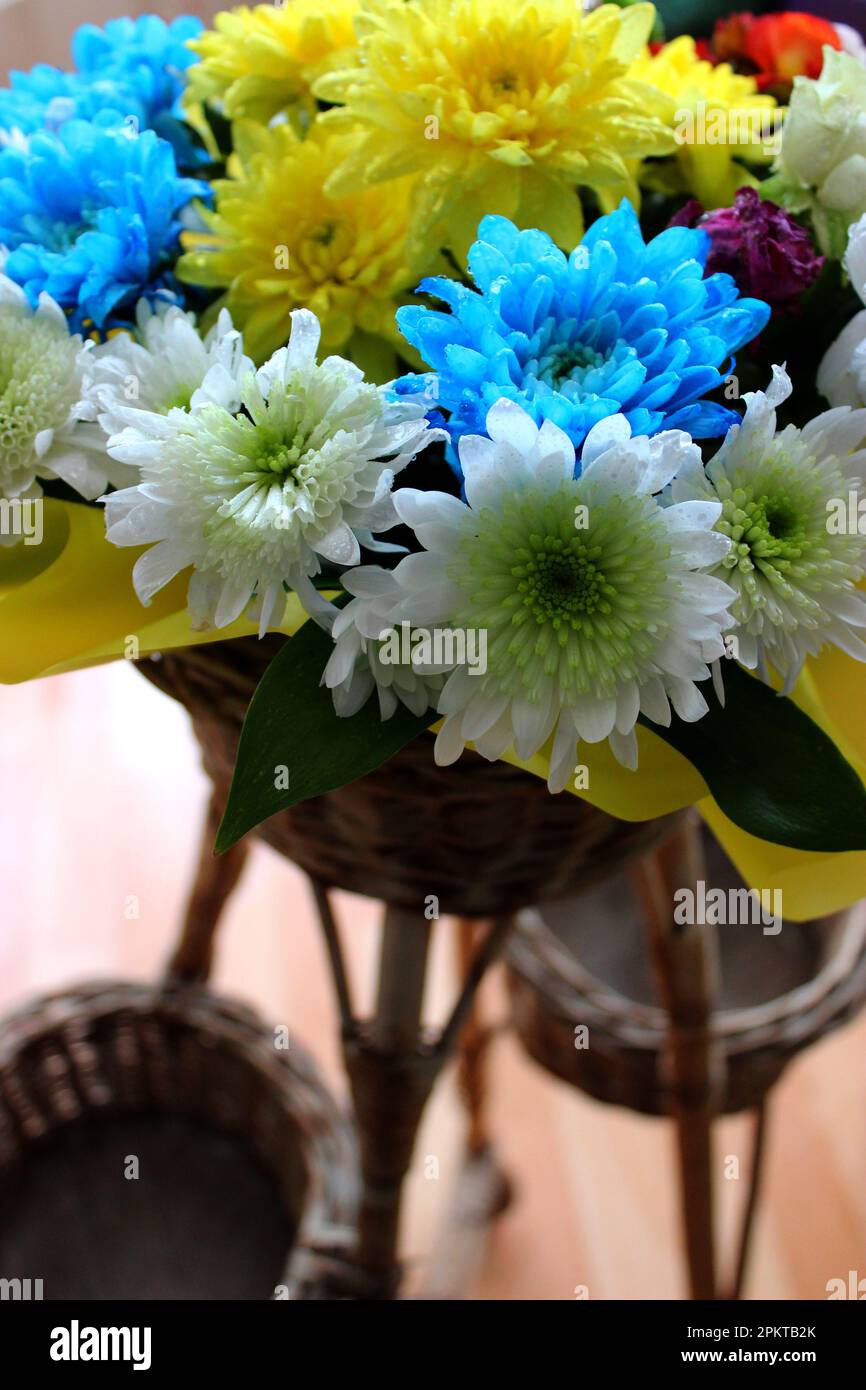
column 101, row 804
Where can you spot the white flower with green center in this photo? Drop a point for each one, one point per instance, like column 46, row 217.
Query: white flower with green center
column 591, row 595
column 254, row 500
column 44, row 430
column 167, row 364
column 356, row 667
column 842, row 373
column 794, row 570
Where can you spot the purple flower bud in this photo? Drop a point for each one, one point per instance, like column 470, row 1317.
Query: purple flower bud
column 760, row 246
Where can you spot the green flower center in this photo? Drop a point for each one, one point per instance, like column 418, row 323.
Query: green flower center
column 275, row 478
column 180, row 400
column 782, row 557
column 567, row 362
column 281, row 459
column 60, row 236
column 585, row 608
column 770, row 529
column 324, row 234
column 783, row 523
column 37, row 385
column 559, row 581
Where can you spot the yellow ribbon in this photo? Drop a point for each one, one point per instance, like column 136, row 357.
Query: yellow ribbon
column 69, row 603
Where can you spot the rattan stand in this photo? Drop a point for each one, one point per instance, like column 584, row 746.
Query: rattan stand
column 485, row 840
column 696, row 1054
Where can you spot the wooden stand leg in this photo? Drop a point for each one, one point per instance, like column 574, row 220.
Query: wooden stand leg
column 215, row 878
column 758, row 1148
column 392, row 1068
column 694, row 1141
column 391, row 1078
column 472, row 1060
column 483, row 1189
column 685, row 963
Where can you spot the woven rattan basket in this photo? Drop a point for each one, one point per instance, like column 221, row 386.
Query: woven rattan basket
column 484, row 838
column 89, row 1071
column 554, row 993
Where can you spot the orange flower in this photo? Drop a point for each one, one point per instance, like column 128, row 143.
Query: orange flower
column 775, row 48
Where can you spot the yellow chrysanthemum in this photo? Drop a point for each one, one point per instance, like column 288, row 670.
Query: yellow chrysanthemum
column 497, row 108
column 276, row 242
column 258, row 62
column 718, row 120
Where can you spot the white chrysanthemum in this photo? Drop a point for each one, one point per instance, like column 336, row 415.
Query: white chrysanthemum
column 44, row 430
column 357, row 667
column 821, row 165
column 167, row 364
column 842, row 373
column 794, row 568
column 591, row 595
column 255, row 500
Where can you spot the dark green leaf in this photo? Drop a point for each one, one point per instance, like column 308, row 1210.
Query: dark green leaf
column 291, row 724
column 771, row 769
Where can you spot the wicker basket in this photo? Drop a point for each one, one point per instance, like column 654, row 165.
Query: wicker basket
column 484, row 838
column 553, row 993
column 108, row 1054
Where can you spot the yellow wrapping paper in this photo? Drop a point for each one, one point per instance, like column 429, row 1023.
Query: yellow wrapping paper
column 69, row 603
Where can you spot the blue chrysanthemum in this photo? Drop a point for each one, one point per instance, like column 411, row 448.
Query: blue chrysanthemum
column 149, row 58
column 45, row 97
column 619, row 326
column 133, row 68
column 90, row 214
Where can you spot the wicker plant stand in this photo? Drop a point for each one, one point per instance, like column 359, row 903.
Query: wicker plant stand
column 708, row 1030
column 481, row 840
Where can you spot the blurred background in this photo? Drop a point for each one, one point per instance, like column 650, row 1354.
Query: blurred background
column 102, row 805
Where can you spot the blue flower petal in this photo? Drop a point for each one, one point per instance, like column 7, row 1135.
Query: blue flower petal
column 703, row 420
column 619, row 325
column 130, row 71
column 90, row 215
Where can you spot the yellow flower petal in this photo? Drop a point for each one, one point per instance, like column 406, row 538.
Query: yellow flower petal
column 455, row 90
column 345, row 258
column 262, row 61
column 706, row 101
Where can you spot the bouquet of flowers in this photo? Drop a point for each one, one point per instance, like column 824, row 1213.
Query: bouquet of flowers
column 508, row 360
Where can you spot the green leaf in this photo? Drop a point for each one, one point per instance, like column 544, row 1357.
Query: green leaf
column 771, row 769
column 291, row 724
